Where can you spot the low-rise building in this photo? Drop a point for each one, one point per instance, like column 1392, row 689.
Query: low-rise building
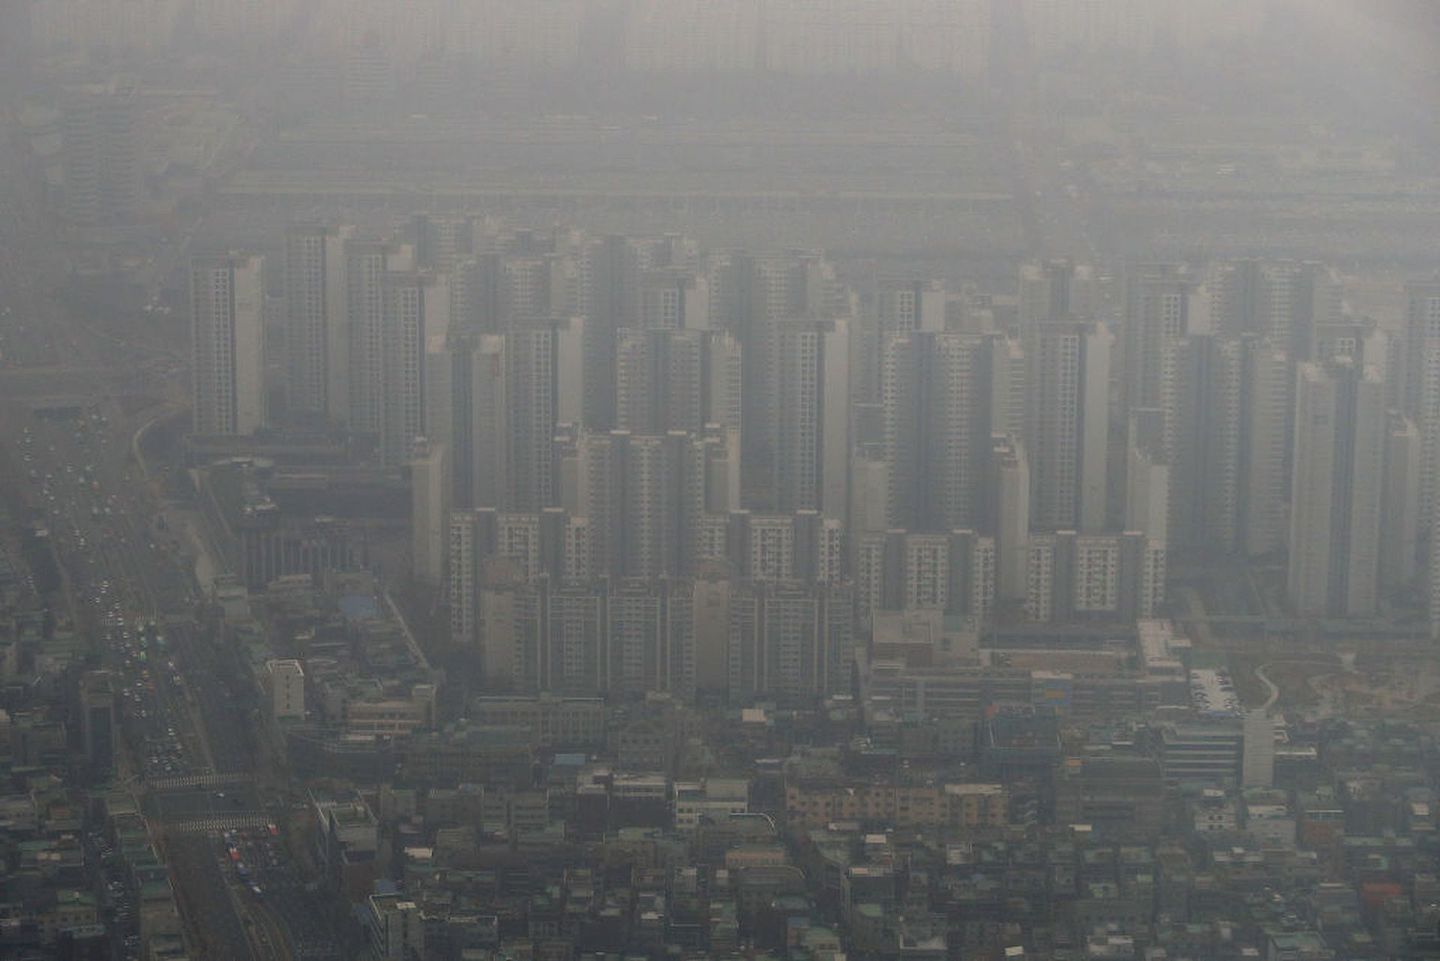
column 713, row 799
column 285, row 681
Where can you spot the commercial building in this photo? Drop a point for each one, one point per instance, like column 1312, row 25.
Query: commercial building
column 1204, row 751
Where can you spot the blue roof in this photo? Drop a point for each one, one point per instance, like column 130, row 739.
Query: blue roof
column 358, row 607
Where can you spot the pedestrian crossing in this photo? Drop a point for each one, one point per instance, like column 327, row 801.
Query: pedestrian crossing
column 195, row 780
column 217, row 823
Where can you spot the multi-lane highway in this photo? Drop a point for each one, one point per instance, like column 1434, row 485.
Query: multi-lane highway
column 132, row 583
column 74, row 390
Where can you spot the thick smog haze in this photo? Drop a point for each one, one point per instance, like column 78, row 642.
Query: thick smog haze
column 750, row 480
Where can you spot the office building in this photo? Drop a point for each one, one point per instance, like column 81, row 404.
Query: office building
column 1337, row 491
column 1206, row 751
column 227, row 299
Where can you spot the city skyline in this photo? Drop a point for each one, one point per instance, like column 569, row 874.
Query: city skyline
column 719, row 480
